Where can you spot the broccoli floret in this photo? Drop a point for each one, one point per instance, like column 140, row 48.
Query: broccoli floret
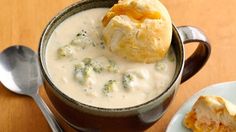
column 79, row 66
column 82, row 40
column 160, row 66
column 87, row 61
column 95, row 65
column 112, row 67
column 126, row 80
column 82, row 72
column 65, row 51
column 87, row 72
column 109, row 87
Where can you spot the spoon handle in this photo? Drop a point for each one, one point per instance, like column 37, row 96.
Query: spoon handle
column 47, row 113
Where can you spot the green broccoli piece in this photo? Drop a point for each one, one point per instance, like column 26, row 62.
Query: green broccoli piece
column 65, row 51
column 79, row 66
column 126, row 79
column 87, row 72
column 82, row 40
column 160, row 66
column 112, row 67
column 109, row 87
column 87, row 61
column 82, row 72
column 95, row 65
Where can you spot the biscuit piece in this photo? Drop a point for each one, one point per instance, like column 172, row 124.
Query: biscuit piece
column 211, row 114
column 139, row 30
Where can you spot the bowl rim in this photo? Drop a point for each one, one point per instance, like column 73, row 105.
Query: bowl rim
column 76, row 103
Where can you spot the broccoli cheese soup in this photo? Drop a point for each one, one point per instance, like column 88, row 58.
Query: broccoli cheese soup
column 83, row 68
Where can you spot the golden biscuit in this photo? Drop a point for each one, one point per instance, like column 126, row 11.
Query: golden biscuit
column 139, row 30
column 211, row 114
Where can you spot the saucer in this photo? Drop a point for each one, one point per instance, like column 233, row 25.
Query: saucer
column 226, row 90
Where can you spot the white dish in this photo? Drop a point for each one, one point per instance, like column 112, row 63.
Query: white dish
column 226, row 90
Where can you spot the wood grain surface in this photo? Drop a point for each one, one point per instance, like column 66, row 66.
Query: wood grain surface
column 22, row 22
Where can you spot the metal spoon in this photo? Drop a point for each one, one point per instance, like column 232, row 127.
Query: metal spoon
column 19, row 72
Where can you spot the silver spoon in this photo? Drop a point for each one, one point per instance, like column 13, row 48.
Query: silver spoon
column 19, row 72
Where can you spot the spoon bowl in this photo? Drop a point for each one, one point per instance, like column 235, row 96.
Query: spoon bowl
column 20, row 73
column 19, row 70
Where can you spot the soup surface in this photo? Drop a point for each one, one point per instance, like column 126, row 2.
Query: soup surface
column 82, row 67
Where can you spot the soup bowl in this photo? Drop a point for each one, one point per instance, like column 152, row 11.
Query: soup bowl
column 90, row 118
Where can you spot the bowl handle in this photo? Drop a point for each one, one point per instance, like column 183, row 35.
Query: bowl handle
column 200, row 56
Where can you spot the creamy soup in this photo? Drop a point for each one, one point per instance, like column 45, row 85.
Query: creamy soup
column 82, row 67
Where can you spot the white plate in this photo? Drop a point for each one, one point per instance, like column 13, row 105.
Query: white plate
column 226, row 90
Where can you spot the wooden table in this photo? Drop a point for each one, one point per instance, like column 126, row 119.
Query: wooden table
column 22, row 22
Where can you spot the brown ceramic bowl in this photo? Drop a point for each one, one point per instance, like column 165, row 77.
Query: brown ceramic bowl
column 88, row 118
